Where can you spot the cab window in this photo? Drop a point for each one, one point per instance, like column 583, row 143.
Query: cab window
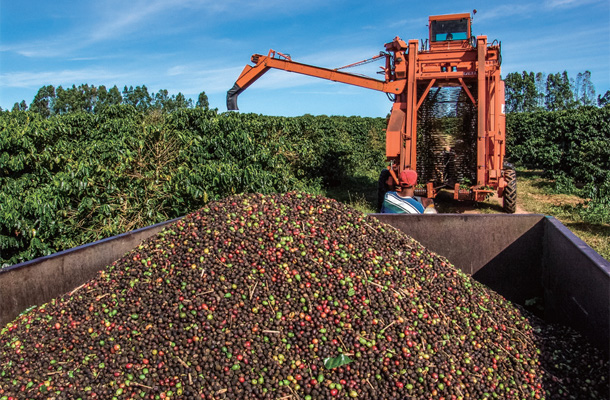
column 449, row 30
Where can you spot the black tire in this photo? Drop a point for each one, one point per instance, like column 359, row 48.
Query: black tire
column 510, row 191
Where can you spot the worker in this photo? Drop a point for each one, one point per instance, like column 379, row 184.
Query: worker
column 385, row 184
column 403, row 199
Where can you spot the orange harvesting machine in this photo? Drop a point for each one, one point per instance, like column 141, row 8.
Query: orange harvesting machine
column 415, row 73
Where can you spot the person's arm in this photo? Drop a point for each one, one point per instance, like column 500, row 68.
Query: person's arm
column 425, row 201
column 390, row 181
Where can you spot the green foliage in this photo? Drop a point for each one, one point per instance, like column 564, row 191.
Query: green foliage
column 138, row 97
column 573, row 148
column 107, row 98
column 20, row 106
column 75, row 178
column 43, row 100
column 74, row 99
column 521, row 92
column 584, row 90
column 50, row 101
column 596, row 209
column 163, row 101
column 202, row 101
column 604, row 100
column 559, row 95
column 574, row 142
column 529, row 92
column 336, row 362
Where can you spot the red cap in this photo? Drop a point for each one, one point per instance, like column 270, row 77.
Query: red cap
column 408, row 177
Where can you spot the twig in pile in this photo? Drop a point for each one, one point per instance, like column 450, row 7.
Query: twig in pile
column 206, row 292
column 139, row 384
column 218, row 259
column 98, row 298
column 376, row 284
column 366, row 278
column 341, row 340
column 182, row 362
column 72, row 292
column 294, row 394
column 190, row 379
column 387, row 326
column 252, row 291
column 374, row 230
column 269, row 331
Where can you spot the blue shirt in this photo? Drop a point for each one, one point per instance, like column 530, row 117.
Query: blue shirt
column 394, row 204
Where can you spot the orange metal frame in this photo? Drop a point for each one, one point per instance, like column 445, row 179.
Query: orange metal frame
column 410, row 73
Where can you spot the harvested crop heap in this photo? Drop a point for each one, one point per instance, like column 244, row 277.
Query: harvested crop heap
column 286, row 297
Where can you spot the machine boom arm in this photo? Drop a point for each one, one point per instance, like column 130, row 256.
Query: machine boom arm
column 452, row 58
column 263, row 63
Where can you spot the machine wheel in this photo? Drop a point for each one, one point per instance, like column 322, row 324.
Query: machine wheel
column 510, row 191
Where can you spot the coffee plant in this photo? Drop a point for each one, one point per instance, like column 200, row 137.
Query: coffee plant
column 573, row 142
column 571, row 147
column 76, row 178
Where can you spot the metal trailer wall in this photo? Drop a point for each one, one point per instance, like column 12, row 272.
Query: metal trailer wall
column 522, row 257
column 37, row 281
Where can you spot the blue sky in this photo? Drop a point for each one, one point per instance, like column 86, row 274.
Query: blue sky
column 191, row 46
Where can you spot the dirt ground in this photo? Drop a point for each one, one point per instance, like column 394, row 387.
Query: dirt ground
column 446, row 204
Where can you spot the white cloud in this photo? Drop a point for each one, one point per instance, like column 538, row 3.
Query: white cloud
column 63, row 77
column 410, row 23
column 119, row 20
column 120, row 17
column 41, row 48
column 503, row 11
column 177, row 70
column 192, row 80
column 528, row 9
column 552, row 4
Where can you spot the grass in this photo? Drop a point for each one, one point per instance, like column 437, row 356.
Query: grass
column 359, row 193
column 535, row 194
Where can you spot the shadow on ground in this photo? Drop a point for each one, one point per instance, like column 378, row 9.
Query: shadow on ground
column 589, row 228
column 445, row 203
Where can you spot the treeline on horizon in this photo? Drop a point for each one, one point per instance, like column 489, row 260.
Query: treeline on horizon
column 89, row 98
column 75, row 178
column 525, row 92
column 531, row 92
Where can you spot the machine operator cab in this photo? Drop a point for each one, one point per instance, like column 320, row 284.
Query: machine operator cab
column 449, row 31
